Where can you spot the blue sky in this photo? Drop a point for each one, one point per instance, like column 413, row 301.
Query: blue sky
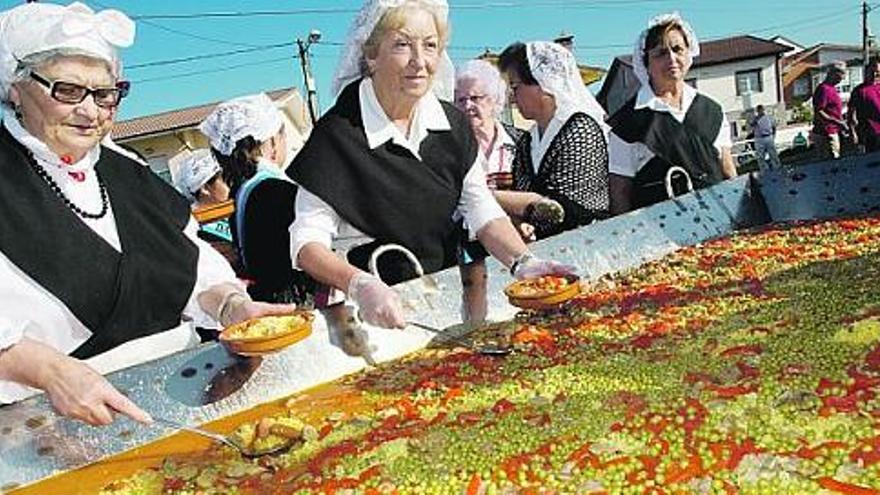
column 602, row 29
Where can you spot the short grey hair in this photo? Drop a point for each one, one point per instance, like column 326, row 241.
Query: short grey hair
column 486, row 73
column 28, row 64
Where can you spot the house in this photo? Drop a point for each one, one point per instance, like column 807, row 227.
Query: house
column 164, row 139
column 740, row 73
column 803, row 71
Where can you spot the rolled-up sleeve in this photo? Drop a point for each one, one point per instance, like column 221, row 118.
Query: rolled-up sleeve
column 212, row 269
column 723, row 140
column 316, row 221
column 476, row 204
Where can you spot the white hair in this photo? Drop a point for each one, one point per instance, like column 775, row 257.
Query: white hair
column 488, row 75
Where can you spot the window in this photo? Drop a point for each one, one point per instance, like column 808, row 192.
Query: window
column 802, row 87
column 748, row 81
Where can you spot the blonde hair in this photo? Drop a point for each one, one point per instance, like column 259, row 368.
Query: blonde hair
column 396, row 18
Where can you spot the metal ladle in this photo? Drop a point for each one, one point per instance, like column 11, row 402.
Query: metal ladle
column 243, row 450
column 489, row 350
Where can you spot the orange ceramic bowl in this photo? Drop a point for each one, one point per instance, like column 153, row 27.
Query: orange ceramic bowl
column 268, row 334
column 547, row 292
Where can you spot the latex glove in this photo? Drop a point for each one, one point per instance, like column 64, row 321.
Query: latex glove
column 247, row 310
column 533, row 267
column 379, row 305
column 79, row 392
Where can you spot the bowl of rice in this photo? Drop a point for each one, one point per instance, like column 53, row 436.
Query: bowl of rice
column 267, row 334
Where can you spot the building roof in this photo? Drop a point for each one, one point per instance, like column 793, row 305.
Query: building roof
column 173, row 120
column 728, row 50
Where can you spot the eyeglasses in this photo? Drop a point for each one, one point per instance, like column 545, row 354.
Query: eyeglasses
column 475, row 99
column 71, row 93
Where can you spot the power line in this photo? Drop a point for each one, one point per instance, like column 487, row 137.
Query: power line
column 196, row 36
column 590, row 4
column 194, row 58
column 211, row 71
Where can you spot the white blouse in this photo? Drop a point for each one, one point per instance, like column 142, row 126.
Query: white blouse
column 29, row 310
column 626, row 159
column 317, row 221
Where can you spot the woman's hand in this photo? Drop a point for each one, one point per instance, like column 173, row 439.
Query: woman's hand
column 79, row 392
column 379, row 305
column 245, row 309
column 530, row 266
column 75, row 390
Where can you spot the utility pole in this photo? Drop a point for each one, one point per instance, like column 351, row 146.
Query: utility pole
column 865, row 34
column 311, row 93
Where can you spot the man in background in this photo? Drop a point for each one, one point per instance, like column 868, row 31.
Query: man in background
column 864, row 109
column 764, row 130
column 828, row 121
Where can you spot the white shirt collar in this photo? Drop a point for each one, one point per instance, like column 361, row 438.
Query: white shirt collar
column 429, row 116
column 540, row 144
column 647, row 99
column 503, row 139
column 42, row 152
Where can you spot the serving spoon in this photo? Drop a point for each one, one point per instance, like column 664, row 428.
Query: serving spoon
column 245, row 451
column 489, row 350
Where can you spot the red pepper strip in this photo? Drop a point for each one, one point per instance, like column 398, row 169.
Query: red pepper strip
column 473, row 487
column 733, row 391
column 861, row 381
column 747, row 371
column 746, row 349
column 868, row 453
column 846, row 488
column 503, row 406
column 370, row 472
column 676, row 473
column 872, row 360
column 739, row 451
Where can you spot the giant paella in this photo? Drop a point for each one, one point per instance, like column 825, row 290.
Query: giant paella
column 748, row 364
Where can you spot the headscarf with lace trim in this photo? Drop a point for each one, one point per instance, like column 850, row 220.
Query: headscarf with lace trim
column 556, row 71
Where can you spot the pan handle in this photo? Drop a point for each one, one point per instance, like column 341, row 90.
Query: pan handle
column 385, row 248
column 668, row 181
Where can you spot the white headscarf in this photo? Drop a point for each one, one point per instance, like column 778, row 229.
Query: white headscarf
column 638, row 58
column 254, row 115
column 35, row 28
column 556, row 71
column 349, row 68
column 194, row 172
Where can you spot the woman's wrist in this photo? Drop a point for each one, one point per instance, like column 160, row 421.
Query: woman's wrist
column 518, row 261
column 229, row 307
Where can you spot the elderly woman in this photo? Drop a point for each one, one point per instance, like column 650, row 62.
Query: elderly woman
column 481, row 94
column 248, row 138
column 564, row 156
column 130, row 269
column 392, row 162
column 667, row 124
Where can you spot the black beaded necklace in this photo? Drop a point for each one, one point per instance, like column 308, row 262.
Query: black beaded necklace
column 58, row 192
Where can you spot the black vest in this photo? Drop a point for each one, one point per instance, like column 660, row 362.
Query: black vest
column 118, row 296
column 386, row 192
column 688, row 144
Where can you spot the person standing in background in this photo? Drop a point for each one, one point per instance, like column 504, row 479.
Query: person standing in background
column 864, row 109
column 828, row 113
column 764, row 129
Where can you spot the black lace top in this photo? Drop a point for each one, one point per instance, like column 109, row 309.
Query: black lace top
column 573, row 171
